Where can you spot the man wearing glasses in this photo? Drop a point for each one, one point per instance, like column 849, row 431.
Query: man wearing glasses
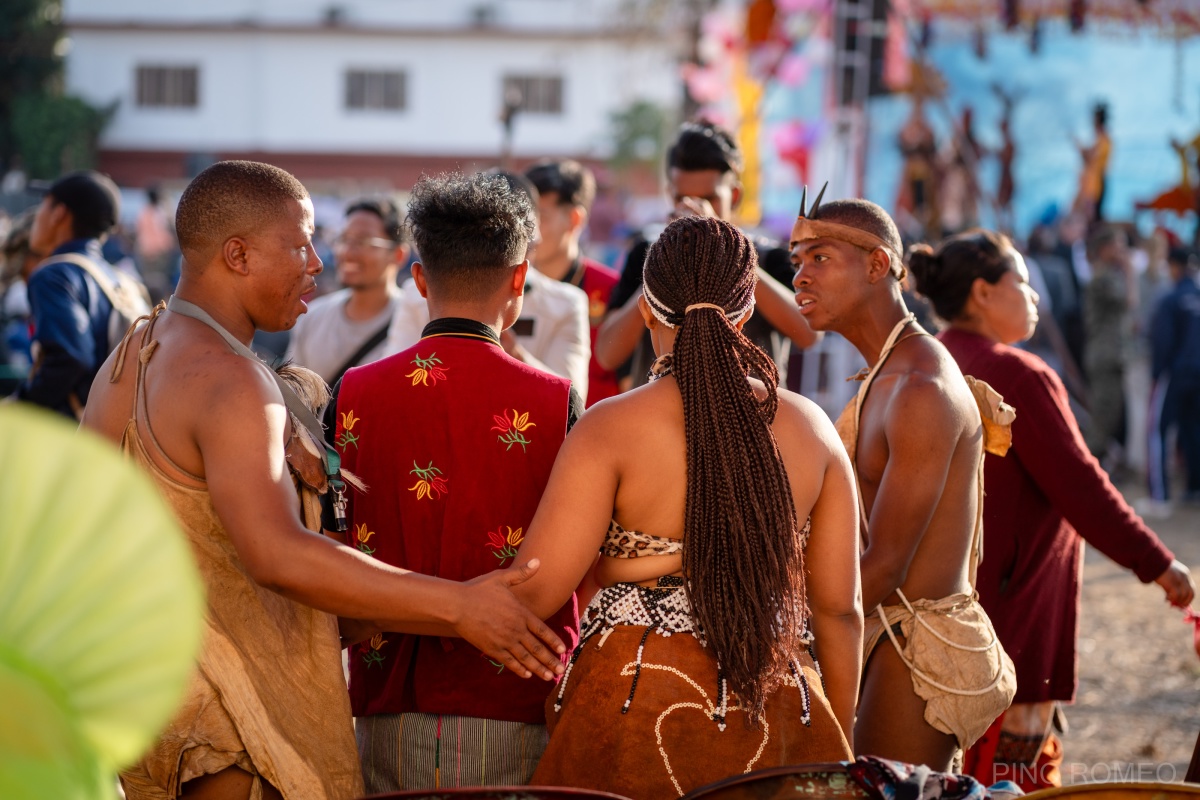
column 349, row 327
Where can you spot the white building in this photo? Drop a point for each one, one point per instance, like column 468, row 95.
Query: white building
column 359, row 90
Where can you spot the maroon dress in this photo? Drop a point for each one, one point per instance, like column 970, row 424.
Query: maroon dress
column 1043, row 501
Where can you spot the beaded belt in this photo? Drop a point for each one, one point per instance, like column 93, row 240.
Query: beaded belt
column 663, row 609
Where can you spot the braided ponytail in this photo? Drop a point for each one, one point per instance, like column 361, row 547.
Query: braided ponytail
column 743, row 563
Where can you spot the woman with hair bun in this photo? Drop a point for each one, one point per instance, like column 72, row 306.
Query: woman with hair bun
column 723, row 511
column 1043, row 500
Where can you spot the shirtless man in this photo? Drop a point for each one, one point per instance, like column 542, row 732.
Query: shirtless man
column 916, row 446
column 267, row 709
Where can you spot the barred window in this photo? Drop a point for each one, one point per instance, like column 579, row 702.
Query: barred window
column 376, row 90
column 168, row 87
column 535, row 94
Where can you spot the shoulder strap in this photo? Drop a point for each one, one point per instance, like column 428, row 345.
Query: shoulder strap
column 87, row 265
column 332, row 461
column 867, row 379
column 373, row 341
column 110, row 285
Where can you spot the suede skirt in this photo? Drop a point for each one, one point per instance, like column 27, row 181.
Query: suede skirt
column 646, row 715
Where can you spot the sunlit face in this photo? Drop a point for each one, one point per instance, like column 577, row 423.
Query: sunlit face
column 364, row 252
column 1011, row 307
column 554, row 222
column 710, row 185
column 830, row 282
column 284, row 265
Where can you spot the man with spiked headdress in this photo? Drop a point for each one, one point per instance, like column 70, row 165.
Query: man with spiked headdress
column 916, row 443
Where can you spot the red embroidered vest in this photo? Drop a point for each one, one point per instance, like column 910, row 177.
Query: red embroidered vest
column 455, row 441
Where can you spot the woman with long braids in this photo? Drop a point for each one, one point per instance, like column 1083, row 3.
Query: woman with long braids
column 724, row 514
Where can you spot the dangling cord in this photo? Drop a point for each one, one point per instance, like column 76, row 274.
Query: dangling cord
column 637, row 669
column 562, row 685
column 816, row 664
column 119, row 364
column 722, row 699
column 805, row 699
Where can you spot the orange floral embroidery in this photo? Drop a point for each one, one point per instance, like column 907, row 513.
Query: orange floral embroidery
column 428, row 371
column 346, row 438
column 361, row 535
column 597, row 308
column 504, row 542
column 512, row 431
column 430, row 482
column 373, row 657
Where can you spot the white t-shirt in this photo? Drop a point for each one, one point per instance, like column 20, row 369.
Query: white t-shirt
column 325, row 337
column 560, row 342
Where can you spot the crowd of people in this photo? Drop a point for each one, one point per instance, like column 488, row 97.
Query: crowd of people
column 565, row 525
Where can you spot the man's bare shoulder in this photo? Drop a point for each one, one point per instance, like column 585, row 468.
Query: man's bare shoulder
column 194, row 373
column 925, row 385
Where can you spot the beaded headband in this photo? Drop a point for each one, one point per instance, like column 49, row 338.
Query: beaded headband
column 660, row 310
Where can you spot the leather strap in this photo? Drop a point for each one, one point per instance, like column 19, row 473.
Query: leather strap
column 329, row 457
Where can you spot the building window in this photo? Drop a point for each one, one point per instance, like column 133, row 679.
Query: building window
column 168, row 87
column 534, row 94
column 376, row 90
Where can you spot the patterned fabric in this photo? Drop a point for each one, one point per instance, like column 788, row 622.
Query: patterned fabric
column 895, row 780
column 665, row 610
column 620, row 543
column 455, row 440
column 401, row 752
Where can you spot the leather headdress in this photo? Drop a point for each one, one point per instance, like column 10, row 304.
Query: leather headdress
column 808, row 228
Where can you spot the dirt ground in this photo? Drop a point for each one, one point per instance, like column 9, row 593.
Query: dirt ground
column 1137, row 713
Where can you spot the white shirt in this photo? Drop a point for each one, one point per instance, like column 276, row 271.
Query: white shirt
column 560, row 342
column 325, row 337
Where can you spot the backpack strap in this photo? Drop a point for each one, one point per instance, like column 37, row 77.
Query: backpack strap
column 111, row 287
column 102, row 280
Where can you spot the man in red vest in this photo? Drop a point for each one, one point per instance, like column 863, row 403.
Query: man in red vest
column 455, row 440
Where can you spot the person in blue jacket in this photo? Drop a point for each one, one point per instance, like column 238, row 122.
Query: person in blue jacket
column 1175, row 360
column 70, row 311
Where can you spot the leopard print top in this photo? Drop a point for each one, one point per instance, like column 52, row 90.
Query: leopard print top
column 621, row 543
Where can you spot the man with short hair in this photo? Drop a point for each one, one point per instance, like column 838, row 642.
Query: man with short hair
column 349, row 327
column 703, row 172
column 566, row 190
column 915, row 438
column 70, row 309
column 457, row 439
column 237, row 454
column 552, row 333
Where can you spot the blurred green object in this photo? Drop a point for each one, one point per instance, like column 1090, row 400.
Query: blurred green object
column 101, row 610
